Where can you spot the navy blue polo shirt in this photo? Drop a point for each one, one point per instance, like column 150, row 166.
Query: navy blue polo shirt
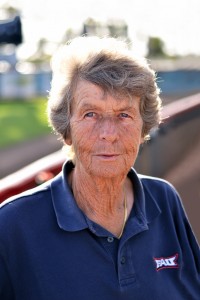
column 50, row 250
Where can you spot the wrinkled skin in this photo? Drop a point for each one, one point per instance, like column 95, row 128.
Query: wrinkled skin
column 106, row 134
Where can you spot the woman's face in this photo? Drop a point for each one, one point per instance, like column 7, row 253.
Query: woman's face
column 105, row 131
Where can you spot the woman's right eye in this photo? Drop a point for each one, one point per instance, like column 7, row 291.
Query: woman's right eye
column 90, row 115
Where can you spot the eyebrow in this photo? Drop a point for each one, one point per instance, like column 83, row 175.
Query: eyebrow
column 87, row 106
column 90, row 106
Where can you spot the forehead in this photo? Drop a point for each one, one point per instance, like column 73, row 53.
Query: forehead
column 91, row 93
column 86, row 89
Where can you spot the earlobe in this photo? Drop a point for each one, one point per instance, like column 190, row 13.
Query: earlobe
column 68, row 139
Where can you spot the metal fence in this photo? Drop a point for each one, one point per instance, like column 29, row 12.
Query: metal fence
column 172, row 83
column 17, row 85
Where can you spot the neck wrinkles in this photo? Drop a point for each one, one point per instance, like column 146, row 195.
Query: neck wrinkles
column 98, row 196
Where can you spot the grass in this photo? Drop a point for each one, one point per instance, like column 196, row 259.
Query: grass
column 22, row 120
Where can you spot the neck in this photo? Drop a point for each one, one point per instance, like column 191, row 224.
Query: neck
column 102, row 199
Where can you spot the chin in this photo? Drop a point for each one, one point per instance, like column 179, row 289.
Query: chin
column 108, row 172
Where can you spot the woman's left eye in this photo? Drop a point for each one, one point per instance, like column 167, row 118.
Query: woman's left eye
column 124, row 115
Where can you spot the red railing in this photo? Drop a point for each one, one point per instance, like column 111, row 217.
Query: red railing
column 47, row 167
column 32, row 175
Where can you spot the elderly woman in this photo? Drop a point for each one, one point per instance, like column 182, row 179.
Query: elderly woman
column 99, row 230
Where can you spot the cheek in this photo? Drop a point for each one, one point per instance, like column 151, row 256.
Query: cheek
column 83, row 135
column 131, row 136
column 131, row 142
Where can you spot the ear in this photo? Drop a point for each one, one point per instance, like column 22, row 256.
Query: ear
column 68, row 139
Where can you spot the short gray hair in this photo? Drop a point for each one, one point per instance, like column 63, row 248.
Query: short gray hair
column 108, row 63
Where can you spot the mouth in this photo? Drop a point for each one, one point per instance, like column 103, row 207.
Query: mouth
column 106, row 156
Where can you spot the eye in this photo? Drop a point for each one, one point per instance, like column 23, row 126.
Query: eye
column 124, row 115
column 90, row 115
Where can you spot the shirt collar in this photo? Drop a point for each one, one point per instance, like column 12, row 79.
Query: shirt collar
column 68, row 214
column 71, row 218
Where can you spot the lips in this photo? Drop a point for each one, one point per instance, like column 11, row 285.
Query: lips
column 106, row 156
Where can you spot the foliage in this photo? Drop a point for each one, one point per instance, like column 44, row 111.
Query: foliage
column 114, row 28
column 22, row 120
column 156, row 48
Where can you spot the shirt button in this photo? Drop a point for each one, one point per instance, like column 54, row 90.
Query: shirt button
column 123, row 260
column 110, row 239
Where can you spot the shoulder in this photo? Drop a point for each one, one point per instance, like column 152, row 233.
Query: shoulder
column 21, row 202
column 161, row 191
column 155, row 183
column 25, row 211
column 35, row 192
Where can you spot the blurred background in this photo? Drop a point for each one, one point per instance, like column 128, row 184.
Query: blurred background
column 165, row 32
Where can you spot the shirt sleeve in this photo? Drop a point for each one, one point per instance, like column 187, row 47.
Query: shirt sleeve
column 188, row 244
column 186, row 235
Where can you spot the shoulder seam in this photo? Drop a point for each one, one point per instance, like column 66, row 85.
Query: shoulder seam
column 24, row 194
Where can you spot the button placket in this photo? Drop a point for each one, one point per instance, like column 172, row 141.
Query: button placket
column 126, row 270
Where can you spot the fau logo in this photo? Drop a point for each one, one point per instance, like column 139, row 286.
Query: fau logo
column 166, row 262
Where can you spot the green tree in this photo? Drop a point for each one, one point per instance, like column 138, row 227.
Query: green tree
column 118, row 28
column 40, row 56
column 156, row 47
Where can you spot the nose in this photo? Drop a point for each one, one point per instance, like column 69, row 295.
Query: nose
column 108, row 129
